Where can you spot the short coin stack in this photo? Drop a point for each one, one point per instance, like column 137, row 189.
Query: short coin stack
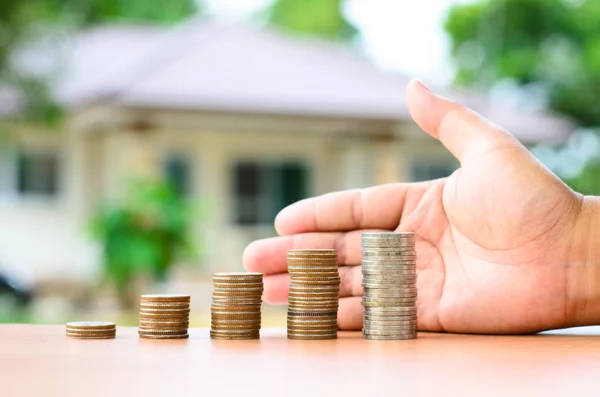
column 91, row 330
column 313, row 295
column 236, row 306
column 390, row 286
column 164, row 316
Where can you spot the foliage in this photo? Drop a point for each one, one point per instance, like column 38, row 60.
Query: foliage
column 588, row 181
column 549, row 44
column 145, row 233
column 552, row 43
column 18, row 18
column 323, row 18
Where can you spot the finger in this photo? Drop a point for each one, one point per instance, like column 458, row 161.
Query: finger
column 378, row 207
column 462, row 131
column 350, row 313
column 269, row 256
column 276, row 286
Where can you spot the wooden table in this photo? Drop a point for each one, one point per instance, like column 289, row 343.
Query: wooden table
column 41, row 361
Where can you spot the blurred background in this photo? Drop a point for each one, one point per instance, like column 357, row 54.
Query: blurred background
column 144, row 144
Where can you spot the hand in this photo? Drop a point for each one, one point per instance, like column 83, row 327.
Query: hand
column 495, row 240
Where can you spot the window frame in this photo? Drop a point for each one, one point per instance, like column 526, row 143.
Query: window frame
column 264, row 207
column 190, row 160
column 11, row 191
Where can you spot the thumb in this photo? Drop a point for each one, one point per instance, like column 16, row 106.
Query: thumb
column 463, row 132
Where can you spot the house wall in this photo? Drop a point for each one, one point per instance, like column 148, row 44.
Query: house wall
column 213, row 155
column 41, row 239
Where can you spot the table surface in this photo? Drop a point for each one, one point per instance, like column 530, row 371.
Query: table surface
column 39, row 360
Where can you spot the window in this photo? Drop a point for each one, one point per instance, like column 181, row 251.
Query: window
column 428, row 171
column 37, row 173
column 177, row 172
column 261, row 190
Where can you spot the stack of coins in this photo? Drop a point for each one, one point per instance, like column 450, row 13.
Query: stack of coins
column 164, row 316
column 313, row 295
column 236, row 306
column 390, row 286
column 91, row 330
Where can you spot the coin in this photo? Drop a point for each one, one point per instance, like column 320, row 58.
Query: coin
column 389, row 268
column 390, row 337
column 231, row 336
column 150, row 336
column 304, row 336
column 165, row 298
column 91, row 330
column 393, row 236
column 236, row 306
column 238, row 277
column 394, row 273
column 78, row 336
column 313, row 294
column 164, row 316
column 311, row 253
column 91, row 324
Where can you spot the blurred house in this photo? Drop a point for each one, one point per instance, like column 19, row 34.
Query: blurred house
column 250, row 119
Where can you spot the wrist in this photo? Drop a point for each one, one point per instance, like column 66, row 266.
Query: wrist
column 583, row 267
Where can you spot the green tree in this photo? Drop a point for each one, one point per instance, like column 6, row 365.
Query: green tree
column 552, row 43
column 323, row 18
column 18, row 18
column 144, row 234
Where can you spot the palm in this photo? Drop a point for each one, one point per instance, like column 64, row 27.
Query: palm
column 484, row 244
column 492, row 239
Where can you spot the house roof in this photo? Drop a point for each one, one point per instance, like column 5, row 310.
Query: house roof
column 204, row 65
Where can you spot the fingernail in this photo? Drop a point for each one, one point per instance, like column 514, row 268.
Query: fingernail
column 423, row 85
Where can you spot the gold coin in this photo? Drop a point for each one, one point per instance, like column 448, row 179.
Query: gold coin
column 165, row 297
column 91, row 336
column 239, row 315
column 229, row 308
column 146, row 325
column 228, row 285
column 237, row 276
column 149, row 327
column 91, row 333
column 297, row 307
column 235, row 292
column 91, row 325
column 221, row 327
column 237, row 325
column 151, row 332
column 164, row 316
column 314, row 251
column 314, row 293
column 161, row 306
column 214, row 334
column 311, row 337
column 238, row 331
column 312, row 330
column 148, row 336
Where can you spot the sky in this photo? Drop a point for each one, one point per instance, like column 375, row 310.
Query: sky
column 398, row 35
column 407, row 36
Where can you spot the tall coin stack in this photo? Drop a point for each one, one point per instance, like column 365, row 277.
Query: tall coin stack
column 164, row 316
column 313, row 295
column 390, row 286
column 236, row 306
